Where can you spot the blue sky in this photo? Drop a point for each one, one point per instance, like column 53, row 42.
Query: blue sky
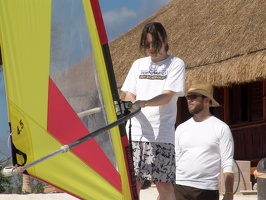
column 119, row 16
column 3, row 118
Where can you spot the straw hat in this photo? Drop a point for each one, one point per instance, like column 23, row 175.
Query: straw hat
column 205, row 89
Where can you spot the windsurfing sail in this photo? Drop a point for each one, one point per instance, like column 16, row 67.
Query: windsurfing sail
column 60, row 87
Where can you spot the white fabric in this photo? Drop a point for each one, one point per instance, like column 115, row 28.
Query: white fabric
column 146, row 80
column 261, row 175
column 203, row 149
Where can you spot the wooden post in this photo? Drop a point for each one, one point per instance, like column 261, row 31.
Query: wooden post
column 27, row 184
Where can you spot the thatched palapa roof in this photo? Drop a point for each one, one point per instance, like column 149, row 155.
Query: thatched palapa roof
column 222, row 42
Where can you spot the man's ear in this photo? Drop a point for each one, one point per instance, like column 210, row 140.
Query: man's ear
column 207, row 99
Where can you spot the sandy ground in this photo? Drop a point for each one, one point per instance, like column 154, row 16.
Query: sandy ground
column 146, row 194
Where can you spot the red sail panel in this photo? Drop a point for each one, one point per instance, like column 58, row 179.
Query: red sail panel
column 65, row 125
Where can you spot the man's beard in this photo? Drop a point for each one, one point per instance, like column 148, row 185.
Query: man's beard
column 196, row 110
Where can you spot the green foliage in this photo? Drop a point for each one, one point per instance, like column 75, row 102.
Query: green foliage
column 37, row 186
column 13, row 184
column 5, row 182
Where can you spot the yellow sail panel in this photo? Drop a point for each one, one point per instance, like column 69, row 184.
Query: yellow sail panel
column 54, row 70
column 26, row 50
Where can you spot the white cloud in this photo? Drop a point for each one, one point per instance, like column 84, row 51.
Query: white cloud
column 118, row 21
column 118, row 16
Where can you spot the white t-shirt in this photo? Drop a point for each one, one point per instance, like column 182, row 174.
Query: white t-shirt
column 202, row 150
column 146, row 80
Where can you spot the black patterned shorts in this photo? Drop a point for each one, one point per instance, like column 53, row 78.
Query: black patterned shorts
column 154, row 161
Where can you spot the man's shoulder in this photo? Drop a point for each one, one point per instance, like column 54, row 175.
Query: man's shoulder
column 218, row 121
column 185, row 123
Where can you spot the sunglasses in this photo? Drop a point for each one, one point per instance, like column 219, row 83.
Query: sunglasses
column 153, row 44
column 148, row 45
column 193, row 96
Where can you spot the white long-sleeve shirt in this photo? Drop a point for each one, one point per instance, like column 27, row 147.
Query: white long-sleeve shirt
column 203, row 149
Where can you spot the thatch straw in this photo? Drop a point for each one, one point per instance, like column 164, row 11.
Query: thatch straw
column 222, row 42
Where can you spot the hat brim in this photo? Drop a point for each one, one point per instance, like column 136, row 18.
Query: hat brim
column 203, row 92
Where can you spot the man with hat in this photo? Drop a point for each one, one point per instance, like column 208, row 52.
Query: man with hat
column 204, row 146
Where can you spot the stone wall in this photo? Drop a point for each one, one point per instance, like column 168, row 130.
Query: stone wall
column 243, row 178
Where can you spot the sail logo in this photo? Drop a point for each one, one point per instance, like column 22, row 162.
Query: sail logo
column 20, row 127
